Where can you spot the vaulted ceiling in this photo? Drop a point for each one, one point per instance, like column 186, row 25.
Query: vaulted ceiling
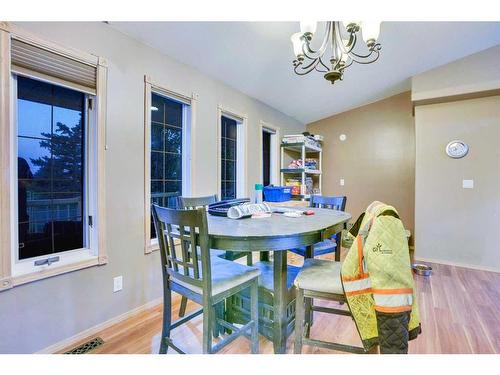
column 255, row 58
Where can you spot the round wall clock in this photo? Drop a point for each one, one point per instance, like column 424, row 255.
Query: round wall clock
column 457, row 149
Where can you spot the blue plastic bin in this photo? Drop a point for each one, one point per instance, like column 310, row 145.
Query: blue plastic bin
column 277, row 193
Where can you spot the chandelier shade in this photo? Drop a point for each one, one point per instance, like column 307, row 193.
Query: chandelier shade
column 297, row 44
column 370, row 31
column 308, row 27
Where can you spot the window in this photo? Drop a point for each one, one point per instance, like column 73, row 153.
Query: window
column 52, row 134
column 229, row 139
column 168, row 123
column 50, row 168
column 231, row 154
column 167, row 129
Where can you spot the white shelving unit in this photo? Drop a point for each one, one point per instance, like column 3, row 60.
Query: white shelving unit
column 291, row 151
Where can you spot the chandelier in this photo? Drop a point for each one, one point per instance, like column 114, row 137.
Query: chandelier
column 341, row 41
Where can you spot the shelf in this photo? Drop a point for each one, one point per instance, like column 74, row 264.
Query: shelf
column 301, row 196
column 301, row 150
column 298, row 147
column 300, row 170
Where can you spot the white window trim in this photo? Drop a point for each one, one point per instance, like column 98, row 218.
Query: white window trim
column 275, row 151
column 188, row 144
column 241, row 147
column 11, row 276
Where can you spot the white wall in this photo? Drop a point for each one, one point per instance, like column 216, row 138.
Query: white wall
column 452, row 224
column 39, row 314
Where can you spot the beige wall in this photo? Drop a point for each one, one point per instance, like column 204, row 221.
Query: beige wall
column 471, row 74
column 456, row 225
column 376, row 161
column 39, row 314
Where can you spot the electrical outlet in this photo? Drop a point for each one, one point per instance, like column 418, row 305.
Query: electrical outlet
column 342, row 182
column 468, row 184
column 117, row 284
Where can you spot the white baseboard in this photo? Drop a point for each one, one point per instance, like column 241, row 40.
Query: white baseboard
column 463, row 265
column 57, row 347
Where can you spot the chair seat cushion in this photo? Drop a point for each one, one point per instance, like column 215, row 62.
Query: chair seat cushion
column 320, row 248
column 321, row 276
column 225, row 275
column 217, row 253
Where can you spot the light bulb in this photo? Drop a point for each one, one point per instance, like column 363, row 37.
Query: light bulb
column 297, row 44
column 370, row 31
column 308, row 27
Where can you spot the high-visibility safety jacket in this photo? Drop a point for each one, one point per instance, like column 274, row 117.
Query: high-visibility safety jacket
column 378, row 281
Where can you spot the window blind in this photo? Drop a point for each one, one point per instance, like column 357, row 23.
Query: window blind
column 42, row 63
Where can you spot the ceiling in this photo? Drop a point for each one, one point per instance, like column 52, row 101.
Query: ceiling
column 256, row 59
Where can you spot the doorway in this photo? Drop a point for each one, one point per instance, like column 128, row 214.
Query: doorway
column 269, row 156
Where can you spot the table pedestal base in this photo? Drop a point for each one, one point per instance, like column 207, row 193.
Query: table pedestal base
column 276, row 302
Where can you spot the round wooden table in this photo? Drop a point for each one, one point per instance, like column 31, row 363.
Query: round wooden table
column 278, row 234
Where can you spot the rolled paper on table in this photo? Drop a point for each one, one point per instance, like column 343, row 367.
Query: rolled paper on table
column 247, row 210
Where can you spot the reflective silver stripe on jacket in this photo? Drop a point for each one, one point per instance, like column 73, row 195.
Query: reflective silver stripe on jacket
column 352, row 286
column 393, row 300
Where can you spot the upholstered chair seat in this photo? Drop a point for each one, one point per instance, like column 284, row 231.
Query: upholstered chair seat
column 225, row 275
column 320, row 275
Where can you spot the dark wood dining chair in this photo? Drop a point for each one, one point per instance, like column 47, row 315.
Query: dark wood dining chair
column 201, row 278
column 192, row 203
column 319, row 279
column 326, row 246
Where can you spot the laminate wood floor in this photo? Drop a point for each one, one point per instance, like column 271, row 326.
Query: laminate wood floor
column 459, row 310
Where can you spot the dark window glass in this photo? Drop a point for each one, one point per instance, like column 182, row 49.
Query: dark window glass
column 173, row 113
column 156, row 137
column 166, row 152
column 228, row 158
column 173, row 140
column 266, row 158
column 50, row 168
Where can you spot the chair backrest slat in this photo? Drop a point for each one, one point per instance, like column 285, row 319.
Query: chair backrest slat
column 334, row 203
column 191, row 203
column 184, row 249
column 192, row 235
column 171, row 250
column 191, row 229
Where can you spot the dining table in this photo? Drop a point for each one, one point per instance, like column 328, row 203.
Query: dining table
column 276, row 234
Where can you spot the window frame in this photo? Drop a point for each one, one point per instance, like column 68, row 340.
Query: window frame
column 23, row 266
column 241, row 147
column 188, row 127
column 10, row 273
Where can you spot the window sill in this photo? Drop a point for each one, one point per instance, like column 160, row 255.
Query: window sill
column 155, row 246
column 151, row 248
column 51, row 271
